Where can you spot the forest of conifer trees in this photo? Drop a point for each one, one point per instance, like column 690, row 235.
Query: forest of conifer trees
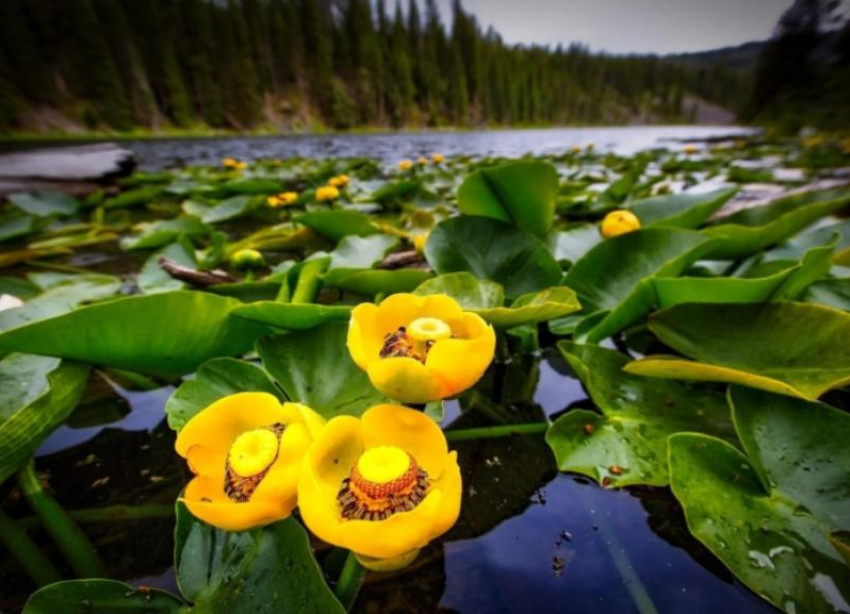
column 313, row 64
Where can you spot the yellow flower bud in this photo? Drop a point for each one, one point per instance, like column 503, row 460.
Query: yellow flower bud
column 419, row 242
column 437, row 158
column 619, row 222
column 422, row 161
column 575, row 149
column 287, row 198
column 405, row 165
column 327, row 193
column 273, row 201
column 248, row 259
column 690, row 149
column 340, row 181
column 228, row 162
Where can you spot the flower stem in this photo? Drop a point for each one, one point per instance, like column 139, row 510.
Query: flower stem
column 32, row 560
column 309, row 283
column 492, row 432
column 71, row 540
column 350, row 580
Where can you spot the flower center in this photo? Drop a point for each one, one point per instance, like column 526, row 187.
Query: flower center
column 384, row 481
column 429, row 329
column 249, row 459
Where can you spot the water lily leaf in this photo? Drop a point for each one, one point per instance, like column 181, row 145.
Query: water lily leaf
column 338, row 223
column 395, row 190
column 101, row 597
column 156, row 234
column 572, row 243
column 291, row 316
column 751, row 230
column 370, row 282
column 831, row 292
column 608, row 279
column 532, row 308
column 253, row 186
column 18, row 226
column 470, row 292
column 797, row 349
column 841, row 541
column 356, row 252
column 684, row 210
column 627, row 443
column 166, row 334
column 313, row 367
column 45, row 203
column 66, row 293
column 786, row 284
column 216, row 379
column 767, row 513
column 227, row 209
column 270, row 569
column 152, row 277
column 521, row 193
column 133, row 198
column 794, row 248
column 37, row 394
column 491, row 249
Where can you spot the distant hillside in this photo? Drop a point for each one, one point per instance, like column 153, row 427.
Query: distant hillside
column 743, row 57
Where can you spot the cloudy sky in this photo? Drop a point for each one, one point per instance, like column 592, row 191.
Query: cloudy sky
column 629, row 26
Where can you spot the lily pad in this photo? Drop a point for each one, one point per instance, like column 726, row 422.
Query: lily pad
column 264, row 570
column 45, row 203
column 627, row 443
column 552, row 303
column 572, row 243
column 166, row 334
column 470, row 292
column 289, row 316
column 313, row 367
column 338, row 223
column 684, row 210
column 491, row 249
column 227, row 209
column 831, row 292
column 767, row 513
column 797, row 349
column 371, row 282
column 37, row 394
column 608, row 279
column 356, row 252
column 101, row 597
column 156, row 234
column 217, row 378
column 521, row 193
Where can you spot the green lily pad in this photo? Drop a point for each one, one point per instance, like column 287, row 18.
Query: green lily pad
column 797, row 349
column 521, row 193
column 608, row 279
column 767, row 513
column 338, row 223
column 227, row 209
column 831, row 292
column 216, row 379
column 532, row 308
column 166, row 334
column 253, row 186
column 470, row 292
column 313, row 367
column 685, row 210
column 156, row 234
column 627, row 443
column 356, row 252
column 133, row 198
column 152, row 278
column 45, row 203
column 371, row 282
column 491, row 249
column 270, row 569
column 289, row 316
column 37, row 394
column 751, row 230
column 19, row 226
column 794, row 248
column 570, row 244
column 101, row 597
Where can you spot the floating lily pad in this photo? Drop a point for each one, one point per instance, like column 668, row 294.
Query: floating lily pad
column 313, row 367
column 101, row 597
column 831, row 292
column 37, row 394
column 156, row 234
column 767, row 513
column 491, row 249
column 356, row 252
column 627, row 443
column 291, row 316
column 470, row 292
column 18, row 226
column 796, row 349
column 45, row 203
column 521, row 193
column 167, row 334
column 371, row 282
column 532, row 308
column 684, row 210
column 572, row 243
column 608, row 279
column 215, row 379
column 338, row 223
column 152, row 277
column 227, row 209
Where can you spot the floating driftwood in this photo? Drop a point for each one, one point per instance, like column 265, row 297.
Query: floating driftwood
column 194, row 276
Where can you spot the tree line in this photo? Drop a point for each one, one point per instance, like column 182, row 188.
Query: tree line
column 308, row 64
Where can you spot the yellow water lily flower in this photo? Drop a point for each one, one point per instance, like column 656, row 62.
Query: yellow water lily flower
column 248, row 259
column 246, row 452
column 274, row 201
column 229, row 162
column 419, row 241
column 575, row 149
column 422, row 161
column 340, row 181
column 326, row 193
column 405, row 165
column 690, row 149
column 420, row 348
column 282, row 199
column 241, row 166
column 438, row 158
column 383, row 486
column 619, row 222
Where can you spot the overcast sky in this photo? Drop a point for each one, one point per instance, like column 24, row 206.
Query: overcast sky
column 629, row 26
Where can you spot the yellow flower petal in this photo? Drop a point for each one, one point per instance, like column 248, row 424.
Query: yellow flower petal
column 206, row 500
column 406, row 380
column 459, row 363
column 408, row 429
column 334, row 453
column 451, row 485
column 365, row 338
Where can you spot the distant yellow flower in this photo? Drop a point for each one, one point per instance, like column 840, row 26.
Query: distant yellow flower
column 438, row 158
column 327, row 193
column 575, row 149
column 419, row 241
column 845, row 145
column 274, row 201
column 248, row 259
column 813, row 141
column 229, row 162
column 619, row 222
column 246, row 452
column 420, row 348
column 340, row 181
column 422, row 161
column 240, row 166
column 405, row 165
column 383, row 486
column 287, row 198
column 690, row 149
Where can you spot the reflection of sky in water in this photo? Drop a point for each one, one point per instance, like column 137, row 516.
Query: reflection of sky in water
column 146, row 413
column 510, row 568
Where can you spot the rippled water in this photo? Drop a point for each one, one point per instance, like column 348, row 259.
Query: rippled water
column 391, row 147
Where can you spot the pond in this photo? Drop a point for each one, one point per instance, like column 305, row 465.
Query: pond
column 581, row 520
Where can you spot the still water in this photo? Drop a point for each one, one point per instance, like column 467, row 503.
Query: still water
column 391, row 147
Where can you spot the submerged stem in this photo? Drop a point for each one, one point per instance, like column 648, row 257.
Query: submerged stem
column 492, row 432
column 350, row 580
column 71, row 540
column 309, row 283
column 31, row 558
